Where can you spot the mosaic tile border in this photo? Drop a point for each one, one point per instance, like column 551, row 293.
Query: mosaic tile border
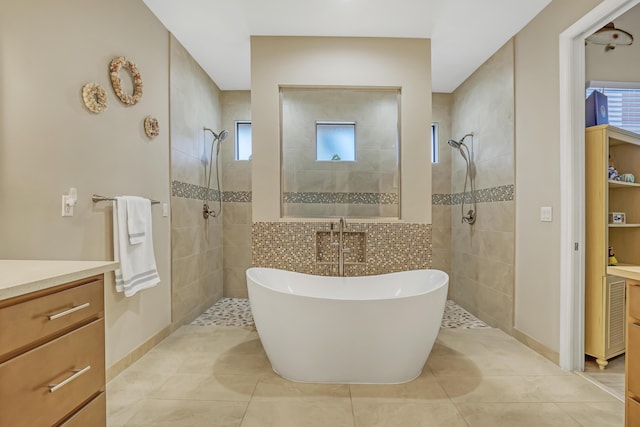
column 237, row 196
column 237, row 312
column 341, row 197
column 503, row 193
column 192, row 191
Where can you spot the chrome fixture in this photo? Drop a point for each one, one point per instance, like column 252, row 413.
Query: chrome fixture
column 610, row 37
column 217, row 137
column 470, row 217
column 96, row 198
column 340, row 244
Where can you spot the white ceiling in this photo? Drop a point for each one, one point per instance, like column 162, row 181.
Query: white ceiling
column 463, row 33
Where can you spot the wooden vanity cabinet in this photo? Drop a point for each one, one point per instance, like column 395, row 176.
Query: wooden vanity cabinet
column 632, row 369
column 52, row 366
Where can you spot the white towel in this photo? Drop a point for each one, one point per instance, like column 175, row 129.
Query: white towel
column 137, row 262
column 138, row 214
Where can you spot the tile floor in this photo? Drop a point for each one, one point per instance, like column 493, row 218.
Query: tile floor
column 611, row 378
column 220, row 376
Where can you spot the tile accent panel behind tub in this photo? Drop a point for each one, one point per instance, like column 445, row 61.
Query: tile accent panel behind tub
column 389, row 247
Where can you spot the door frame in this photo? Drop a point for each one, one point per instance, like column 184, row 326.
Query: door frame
column 572, row 173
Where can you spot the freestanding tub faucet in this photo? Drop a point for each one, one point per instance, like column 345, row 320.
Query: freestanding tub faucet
column 341, row 248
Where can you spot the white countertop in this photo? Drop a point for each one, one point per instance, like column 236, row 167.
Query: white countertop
column 626, row 271
column 19, row 277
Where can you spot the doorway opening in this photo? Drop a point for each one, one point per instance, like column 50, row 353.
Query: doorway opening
column 572, row 160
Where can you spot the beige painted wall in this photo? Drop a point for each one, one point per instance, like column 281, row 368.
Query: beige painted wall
column 196, row 243
column 50, row 142
column 483, row 253
column 537, row 124
column 334, row 61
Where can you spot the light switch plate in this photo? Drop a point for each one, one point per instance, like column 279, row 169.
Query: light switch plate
column 67, row 209
column 546, row 214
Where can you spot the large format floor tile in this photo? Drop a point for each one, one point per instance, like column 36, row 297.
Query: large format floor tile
column 221, row 376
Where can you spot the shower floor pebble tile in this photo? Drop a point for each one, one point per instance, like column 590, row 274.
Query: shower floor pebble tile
column 227, row 312
column 237, row 312
column 457, row 317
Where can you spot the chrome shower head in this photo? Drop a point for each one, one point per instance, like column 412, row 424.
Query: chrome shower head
column 223, row 135
column 458, row 146
column 454, row 144
column 219, row 136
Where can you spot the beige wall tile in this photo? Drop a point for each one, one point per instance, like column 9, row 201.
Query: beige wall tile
column 196, row 243
column 483, row 254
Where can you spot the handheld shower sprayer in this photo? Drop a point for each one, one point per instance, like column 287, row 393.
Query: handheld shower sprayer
column 217, row 137
column 470, row 217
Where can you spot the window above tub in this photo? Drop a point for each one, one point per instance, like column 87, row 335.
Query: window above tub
column 336, row 141
column 340, row 151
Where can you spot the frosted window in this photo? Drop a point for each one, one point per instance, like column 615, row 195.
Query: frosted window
column 243, row 140
column 434, row 143
column 336, row 141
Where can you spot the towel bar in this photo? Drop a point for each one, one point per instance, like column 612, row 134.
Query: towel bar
column 95, row 198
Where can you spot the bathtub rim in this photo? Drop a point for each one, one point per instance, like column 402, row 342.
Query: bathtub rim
column 443, row 282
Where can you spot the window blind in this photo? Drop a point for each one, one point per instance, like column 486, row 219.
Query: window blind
column 623, row 106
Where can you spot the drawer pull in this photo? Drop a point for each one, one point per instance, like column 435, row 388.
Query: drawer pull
column 55, row 387
column 71, row 310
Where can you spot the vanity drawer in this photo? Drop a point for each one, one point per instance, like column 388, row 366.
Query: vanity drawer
column 26, row 396
column 33, row 321
column 633, row 353
column 634, row 300
column 632, row 413
column 93, row 414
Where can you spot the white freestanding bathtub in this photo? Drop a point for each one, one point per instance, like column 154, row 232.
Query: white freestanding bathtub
column 368, row 329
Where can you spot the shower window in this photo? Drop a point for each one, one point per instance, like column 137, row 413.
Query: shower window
column 336, row 141
column 434, row 143
column 243, row 140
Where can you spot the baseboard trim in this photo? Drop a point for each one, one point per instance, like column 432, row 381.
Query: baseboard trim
column 537, row 346
column 128, row 360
